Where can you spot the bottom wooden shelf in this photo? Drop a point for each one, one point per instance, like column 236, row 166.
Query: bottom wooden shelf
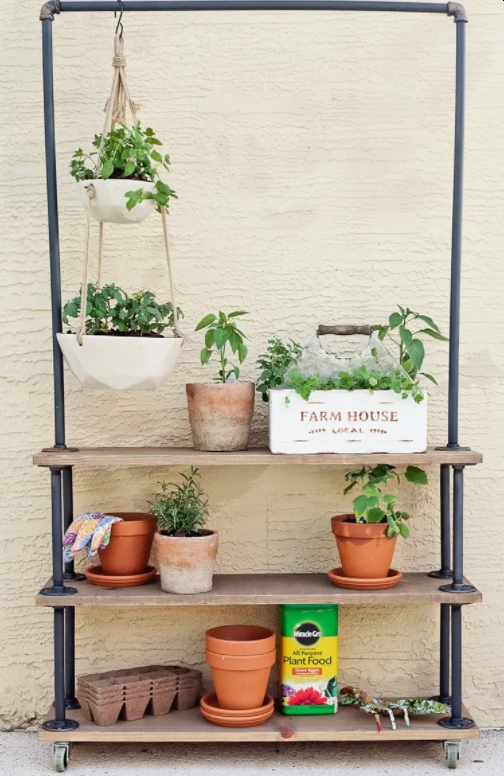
column 349, row 724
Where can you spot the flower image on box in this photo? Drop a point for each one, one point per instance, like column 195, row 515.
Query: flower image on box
column 309, row 667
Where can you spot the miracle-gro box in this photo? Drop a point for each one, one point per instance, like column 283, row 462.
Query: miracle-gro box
column 309, row 667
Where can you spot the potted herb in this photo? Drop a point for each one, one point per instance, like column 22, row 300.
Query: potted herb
column 368, row 402
column 220, row 413
column 124, row 173
column 185, row 550
column 275, row 363
column 124, row 345
column 366, row 538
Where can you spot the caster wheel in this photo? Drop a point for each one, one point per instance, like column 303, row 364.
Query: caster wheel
column 61, row 757
column 452, row 753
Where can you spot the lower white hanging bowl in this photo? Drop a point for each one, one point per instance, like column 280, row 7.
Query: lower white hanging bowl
column 109, row 202
column 120, row 363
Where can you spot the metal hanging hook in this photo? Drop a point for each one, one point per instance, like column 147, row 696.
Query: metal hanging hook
column 119, row 23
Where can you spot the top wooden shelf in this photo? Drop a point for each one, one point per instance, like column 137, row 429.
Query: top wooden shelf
column 98, row 457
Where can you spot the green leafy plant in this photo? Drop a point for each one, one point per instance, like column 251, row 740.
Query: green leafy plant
column 130, row 153
column 403, row 331
column 109, row 309
column 361, row 378
column 222, row 333
column 180, row 508
column 374, row 504
column 275, row 362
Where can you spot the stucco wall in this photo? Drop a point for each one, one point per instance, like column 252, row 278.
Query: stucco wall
column 312, row 154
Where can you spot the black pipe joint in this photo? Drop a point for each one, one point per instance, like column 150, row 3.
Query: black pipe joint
column 458, row 11
column 49, row 9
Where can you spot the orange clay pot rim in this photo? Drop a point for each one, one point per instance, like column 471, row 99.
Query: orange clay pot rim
column 213, row 633
column 341, row 527
column 240, row 662
column 220, row 386
column 213, row 707
column 209, row 534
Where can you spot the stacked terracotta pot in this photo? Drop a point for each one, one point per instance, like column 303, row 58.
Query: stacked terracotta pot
column 240, row 658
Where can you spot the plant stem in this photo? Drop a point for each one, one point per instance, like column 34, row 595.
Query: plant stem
column 223, row 363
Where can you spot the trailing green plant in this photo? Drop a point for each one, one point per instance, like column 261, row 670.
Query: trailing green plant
column 222, row 333
column 275, row 362
column 129, row 153
column 109, row 309
column 402, row 329
column 361, row 378
column 374, row 504
column 180, row 508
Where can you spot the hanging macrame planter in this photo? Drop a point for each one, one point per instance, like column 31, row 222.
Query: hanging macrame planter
column 110, row 361
column 109, row 202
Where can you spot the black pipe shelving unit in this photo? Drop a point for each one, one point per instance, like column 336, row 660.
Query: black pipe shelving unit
column 65, row 724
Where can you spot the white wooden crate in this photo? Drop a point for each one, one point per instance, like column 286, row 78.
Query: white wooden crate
column 346, row 422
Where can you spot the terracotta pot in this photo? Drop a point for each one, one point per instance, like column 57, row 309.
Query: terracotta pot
column 130, row 544
column 240, row 681
column 365, row 551
column 220, row 415
column 240, row 640
column 186, row 563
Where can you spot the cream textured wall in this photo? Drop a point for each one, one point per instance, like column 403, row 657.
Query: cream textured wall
column 312, row 154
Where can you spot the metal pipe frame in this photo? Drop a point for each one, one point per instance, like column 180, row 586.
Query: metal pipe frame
column 64, row 624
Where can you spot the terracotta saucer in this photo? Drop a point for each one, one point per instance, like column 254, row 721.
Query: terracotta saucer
column 210, row 704
column 96, row 576
column 353, row 583
column 237, row 722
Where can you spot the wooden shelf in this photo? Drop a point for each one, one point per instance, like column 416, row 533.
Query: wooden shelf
column 263, row 589
column 98, row 457
column 348, row 724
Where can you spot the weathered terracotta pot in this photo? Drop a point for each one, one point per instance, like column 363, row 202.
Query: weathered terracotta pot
column 130, row 544
column 220, row 415
column 240, row 681
column 240, row 640
column 186, row 563
column 365, row 551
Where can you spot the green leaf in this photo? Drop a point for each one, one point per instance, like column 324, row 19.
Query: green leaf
column 360, row 504
column 416, row 352
column 429, row 377
column 220, row 337
column 205, row 356
column 237, row 313
column 206, row 321
column 415, row 475
column 375, row 515
column 434, row 334
column 428, row 321
column 406, row 336
column 107, row 170
column 242, row 352
column 209, row 340
column 156, row 156
column 395, row 320
column 403, row 530
column 129, row 169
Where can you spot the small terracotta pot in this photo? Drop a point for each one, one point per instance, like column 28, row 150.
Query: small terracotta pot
column 186, row 563
column 220, row 415
column 365, row 551
column 240, row 640
column 240, row 681
column 130, row 544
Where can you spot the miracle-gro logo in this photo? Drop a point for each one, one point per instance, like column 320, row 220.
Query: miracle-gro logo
column 307, row 634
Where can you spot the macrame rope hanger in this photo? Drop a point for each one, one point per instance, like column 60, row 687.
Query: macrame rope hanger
column 115, row 109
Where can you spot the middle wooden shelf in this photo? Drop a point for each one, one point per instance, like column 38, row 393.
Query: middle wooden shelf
column 264, row 589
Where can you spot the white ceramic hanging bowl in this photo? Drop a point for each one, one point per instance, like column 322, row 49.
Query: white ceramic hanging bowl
column 120, row 363
column 109, row 203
